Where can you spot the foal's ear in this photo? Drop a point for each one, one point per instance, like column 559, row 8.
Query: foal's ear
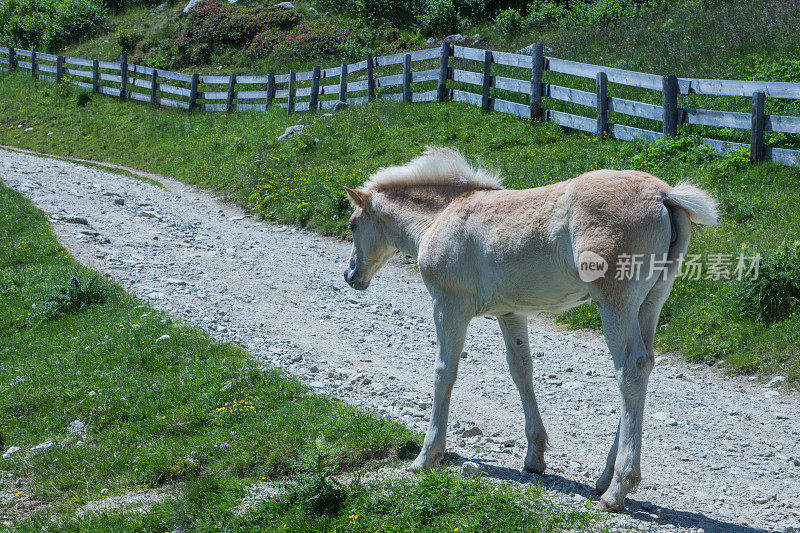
column 358, row 198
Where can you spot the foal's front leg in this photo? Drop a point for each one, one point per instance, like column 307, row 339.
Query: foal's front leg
column 451, row 327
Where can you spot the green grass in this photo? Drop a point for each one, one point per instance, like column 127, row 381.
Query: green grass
column 164, row 405
column 300, row 181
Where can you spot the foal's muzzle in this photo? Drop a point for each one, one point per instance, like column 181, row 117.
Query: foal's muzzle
column 353, row 278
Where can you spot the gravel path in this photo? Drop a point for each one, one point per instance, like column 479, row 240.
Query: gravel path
column 720, row 453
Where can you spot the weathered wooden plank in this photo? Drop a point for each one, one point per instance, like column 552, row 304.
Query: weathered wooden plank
column 329, row 89
column 214, row 80
column 395, row 97
column 213, row 95
column 512, row 84
column 397, row 59
column 782, row 124
column 426, row 96
column 138, row 82
column 141, row 70
column 425, row 75
column 389, row 81
column 370, row 78
column 601, row 92
column 722, row 147
column 629, row 133
column 565, row 94
column 281, row 94
column 193, row 92
column 669, row 103
column 302, row 92
column 24, row 53
column 250, row 95
column 142, row 97
column 352, row 68
column 82, row 85
column 282, row 78
column 313, row 94
column 444, row 57
column 512, row 108
column 359, row 100
column 154, row 88
column 486, row 87
column 466, row 76
column 537, row 89
column 356, row 86
column 46, row 57
column 96, row 76
column 771, row 89
column 169, row 102
column 512, row 60
column 5, row 61
column 333, row 72
column 231, row 92
column 407, row 78
column 291, row 92
column 109, row 65
column 212, row 107
column 636, row 109
column 464, row 96
column 171, row 89
column 249, row 80
column 304, row 76
column 757, row 128
column 111, row 91
column 4, row 50
column 78, row 61
column 465, row 52
column 45, row 68
column 24, row 64
column 176, row 76
column 343, row 84
column 250, row 107
column 784, row 156
column 615, row 75
column 723, row 119
column 110, row 77
column 574, row 122
column 301, row 106
column 270, row 88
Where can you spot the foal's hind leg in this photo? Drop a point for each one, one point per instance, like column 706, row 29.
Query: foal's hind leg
column 451, row 321
column 518, row 355
column 632, row 365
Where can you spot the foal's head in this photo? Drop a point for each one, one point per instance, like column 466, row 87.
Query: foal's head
column 371, row 247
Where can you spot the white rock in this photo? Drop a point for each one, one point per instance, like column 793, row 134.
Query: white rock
column 454, row 38
column 285, row 5
column 163, row 338
column 11, row 451
column 663, row 416
column 777, row 380
column 47, row 445
column 471, row 469
column 76, row 427
column 474, row 431
column 293, row 130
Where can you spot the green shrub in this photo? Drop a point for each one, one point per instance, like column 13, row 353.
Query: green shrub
column 400, row 13
column 46, row 24
column 775, row 294
column 686, row 149
column 127, row 40
column 544, row 12
column 83, row 98
column 439, row 17
column 510, row 23
column 76, row 295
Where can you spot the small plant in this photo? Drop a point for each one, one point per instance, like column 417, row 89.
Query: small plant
column 510, row 23
column 76, row 295
column 127, row 40
column 83, row 98
column 64, row 87
column 440, row 17
column 775, row 294
column 316, row 491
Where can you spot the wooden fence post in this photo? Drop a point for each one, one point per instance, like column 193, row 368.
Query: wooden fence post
column 343, row 83
column 290, row 107
column 313, row 98
column 95, row 76
column 370, row 79
column 231, row 92
column 33, row 65
column 757, row 128
column 123, row 84
column 602, row 105
column 444, row 58
column 487, row 81
column 270, row 88
column 537, row 66
column 407, row 78
column 193, row 92
column 12, row 62
column 669, row 118
column 154, row 88
column 59, row 67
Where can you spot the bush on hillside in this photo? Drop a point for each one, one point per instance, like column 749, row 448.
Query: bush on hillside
column 215, row 22
column 45, row 24
column 775, row 294
column 510, row 23
column 439, row 18
column 312, row 40
column 118, row 5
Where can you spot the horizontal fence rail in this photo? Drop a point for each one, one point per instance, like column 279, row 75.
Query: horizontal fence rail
column 449, row 72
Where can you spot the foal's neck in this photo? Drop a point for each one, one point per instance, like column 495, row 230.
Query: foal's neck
column 411, row 210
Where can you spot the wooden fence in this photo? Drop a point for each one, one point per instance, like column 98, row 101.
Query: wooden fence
column 304, row 91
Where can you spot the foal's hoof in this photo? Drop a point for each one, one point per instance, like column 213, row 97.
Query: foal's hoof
column 535, row 468
column 424, row 462
column 606, row 507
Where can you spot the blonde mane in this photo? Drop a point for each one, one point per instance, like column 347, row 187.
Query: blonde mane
column 436, row 166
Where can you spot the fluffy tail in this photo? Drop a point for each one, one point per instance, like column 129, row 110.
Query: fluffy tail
column 697, row 203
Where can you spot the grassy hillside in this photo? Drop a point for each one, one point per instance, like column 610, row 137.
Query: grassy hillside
column 300, row 181
column 163, row 407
